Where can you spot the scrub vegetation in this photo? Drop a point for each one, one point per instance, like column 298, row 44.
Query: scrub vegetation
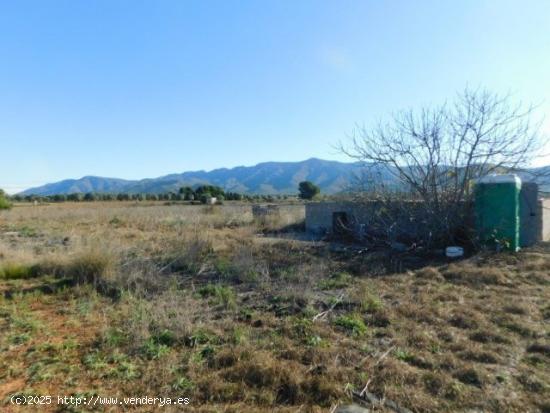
column 125, row 299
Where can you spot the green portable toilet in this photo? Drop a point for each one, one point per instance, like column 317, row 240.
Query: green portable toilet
column 497, row 210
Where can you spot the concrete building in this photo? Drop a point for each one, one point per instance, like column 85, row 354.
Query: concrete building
column 263, row 210
column 356, row 218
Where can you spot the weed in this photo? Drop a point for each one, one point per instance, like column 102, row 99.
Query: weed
column 27, row 231
column 153, row 350
column 221, row 295
column 17, row 339
column 116, row 222
column 474, row 275
column 238, row 335
column 201, row 337
column 90, row 266
column 353, row 324
column 114, row 337
column 403, row 355
column 12, row 271
column 336, row 281
column 182, row 383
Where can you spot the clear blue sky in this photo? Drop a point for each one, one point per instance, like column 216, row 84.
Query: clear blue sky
column 136, row 89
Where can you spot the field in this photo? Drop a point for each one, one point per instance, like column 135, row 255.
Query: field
column 144, row 299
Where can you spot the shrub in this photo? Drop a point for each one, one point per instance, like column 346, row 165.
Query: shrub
column 153, row 350
column 222, row 295
column 190, row 253
column 89, row 267
column 4, row 202
column 13, row 271
column 352, row 324
column 336, row 281
column 474, row 276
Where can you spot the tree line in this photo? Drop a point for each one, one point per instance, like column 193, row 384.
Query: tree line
column 202, row 193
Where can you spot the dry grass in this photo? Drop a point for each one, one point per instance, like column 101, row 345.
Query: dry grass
column 125, row 299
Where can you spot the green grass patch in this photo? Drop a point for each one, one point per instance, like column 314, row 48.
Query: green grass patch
column 219, row 294
column 12, row 271
column 403, row 355
column 336, row 281
column 353, row 324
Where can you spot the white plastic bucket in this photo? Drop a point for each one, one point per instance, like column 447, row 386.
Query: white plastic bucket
column 454, row 252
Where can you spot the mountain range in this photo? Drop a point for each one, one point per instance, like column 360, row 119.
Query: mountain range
column 263, row 178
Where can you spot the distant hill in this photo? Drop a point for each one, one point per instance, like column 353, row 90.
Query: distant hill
column 82, row 185
column 263, row 178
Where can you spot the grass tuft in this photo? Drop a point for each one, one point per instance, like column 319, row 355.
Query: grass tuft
column 353, row 324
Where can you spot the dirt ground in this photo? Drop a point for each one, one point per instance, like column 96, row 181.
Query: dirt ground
column 144, row 299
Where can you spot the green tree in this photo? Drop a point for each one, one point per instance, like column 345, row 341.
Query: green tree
column 308, row 190
column 89, row 196
column 59, row 198
column 75, row 197
column 212, row 190
column 4, row 201
column 204, row 197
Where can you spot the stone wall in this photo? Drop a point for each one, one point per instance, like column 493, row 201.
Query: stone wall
column 281, row 214
column 530, row 215
column 320, row 217
column 545, row 212
column 360, row 219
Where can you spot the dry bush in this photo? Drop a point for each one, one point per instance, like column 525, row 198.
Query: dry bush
column 141, row 277
column 475, row 275
column 285, row 381
column 429, row 273
column 465, row 319
column 188, row 252
column 87, row 266
column 242, row 264
column 91, row 266
column 488, row 336
column 173, row 313
column 534, row 262
column 284, row 219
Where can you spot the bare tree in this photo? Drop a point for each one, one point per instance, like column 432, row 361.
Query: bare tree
column 434, row 154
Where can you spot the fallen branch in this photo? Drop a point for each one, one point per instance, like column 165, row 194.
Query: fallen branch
column 323, row 314
column 382, row 357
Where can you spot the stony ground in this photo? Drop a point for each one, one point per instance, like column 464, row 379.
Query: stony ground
column 122, row 299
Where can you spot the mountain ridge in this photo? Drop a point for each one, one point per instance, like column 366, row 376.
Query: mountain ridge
column 263, row 178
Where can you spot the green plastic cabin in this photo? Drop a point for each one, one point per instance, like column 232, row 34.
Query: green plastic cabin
column 497, row 211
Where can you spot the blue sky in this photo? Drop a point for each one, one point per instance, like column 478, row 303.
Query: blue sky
column 136, row 89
